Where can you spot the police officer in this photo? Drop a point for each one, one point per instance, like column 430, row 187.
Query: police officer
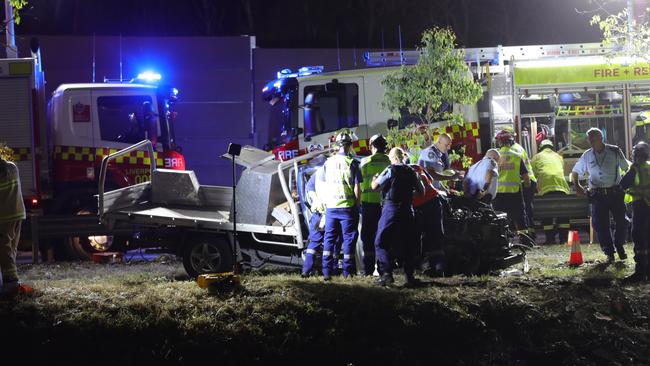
column 642, row 126
column 511, row 172
column 527, row 191
column 395, row 234
column 604, row 164
column 428, row 223
column 435, row 159
column 549, row 169
column 482, row 178
column 637, row 180
column 371, row 200
column 317, row 208
column 342, row 177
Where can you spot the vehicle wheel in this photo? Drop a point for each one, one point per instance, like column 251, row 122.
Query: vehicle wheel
column 83, row 247
column 207, row 254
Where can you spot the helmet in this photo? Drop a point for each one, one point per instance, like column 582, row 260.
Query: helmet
column 343, row 139
column 504, row 136
column 378, row 141
column 641, row 151
column 545, row 144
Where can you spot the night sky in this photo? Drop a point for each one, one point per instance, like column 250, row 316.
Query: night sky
column 308, row 23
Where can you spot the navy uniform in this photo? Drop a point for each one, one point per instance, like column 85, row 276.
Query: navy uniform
column 371, row 200
column 315, row 232
column 341, row 174
column 606, row 196
column 396, row 231
column 637, row 180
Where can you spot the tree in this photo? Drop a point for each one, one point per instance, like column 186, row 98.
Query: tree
column 17, row 5
column 440, row 78
column 426, row 90
column 626, row 32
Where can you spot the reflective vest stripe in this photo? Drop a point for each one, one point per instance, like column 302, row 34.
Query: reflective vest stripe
column 509, row 171
column 338, row 176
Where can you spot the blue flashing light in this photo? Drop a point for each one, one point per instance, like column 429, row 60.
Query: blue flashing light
column 303, row 71
column 277, row 84
column 149, row 76
column 174, row 92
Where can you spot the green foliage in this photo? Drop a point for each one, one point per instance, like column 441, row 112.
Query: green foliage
column 17, row 5
column 627, row 40
column 440, row 76
column 6, row 152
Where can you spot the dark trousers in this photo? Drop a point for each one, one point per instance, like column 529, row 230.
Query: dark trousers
column 559, row 226
column 529, row 196
column 641, row 234
column 601, row 206
column 370, row 214
column 315, row 241
column 346, row 222
column 513, row 205
column 429, row 221
column 395, row 238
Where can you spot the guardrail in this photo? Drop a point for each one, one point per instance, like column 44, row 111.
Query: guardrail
column 108, row 158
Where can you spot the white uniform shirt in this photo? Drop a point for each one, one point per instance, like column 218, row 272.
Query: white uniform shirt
column 432, row 158
column 476, row 177
column 604, row 168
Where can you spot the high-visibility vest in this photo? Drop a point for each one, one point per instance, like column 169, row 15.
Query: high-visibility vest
column 12, row 207
column 524, row 155
column 640, row 190
column 430, row 192
column 549, row 168
column 338, row 182
column 370, row 166
column 509, row 171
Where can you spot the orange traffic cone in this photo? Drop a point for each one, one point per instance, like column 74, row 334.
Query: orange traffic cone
column 576, row 253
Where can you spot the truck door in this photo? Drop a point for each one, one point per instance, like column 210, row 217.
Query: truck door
column 120, row 117
column 331, row 105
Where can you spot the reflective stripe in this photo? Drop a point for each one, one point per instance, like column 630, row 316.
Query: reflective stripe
column 509, row 171
column 310, row 251
column 525, row 231
column 326, row 253
column 563, row 226
column 348, row 256
column 548, row 227
column 338, row 176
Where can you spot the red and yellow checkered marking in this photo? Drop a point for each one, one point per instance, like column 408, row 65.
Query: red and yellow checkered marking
column 81, row 153
column 360, row 146
column 458, row 132
column 22, row 153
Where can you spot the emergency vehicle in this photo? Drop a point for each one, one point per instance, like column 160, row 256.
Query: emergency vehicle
column 554, row 92
column 58, row 147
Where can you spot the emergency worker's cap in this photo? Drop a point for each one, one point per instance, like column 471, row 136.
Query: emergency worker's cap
column 378, row 141
column 343, row 139
column 545, row 144
column 504, row 136
column 641, row 150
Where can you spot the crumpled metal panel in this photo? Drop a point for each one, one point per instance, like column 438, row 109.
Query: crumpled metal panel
column 258, row 192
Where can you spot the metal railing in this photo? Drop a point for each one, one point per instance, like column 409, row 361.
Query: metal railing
column 108, row 158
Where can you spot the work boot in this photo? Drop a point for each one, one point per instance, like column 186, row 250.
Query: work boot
column 411, row 281
column 610, row 258
column 621, row 253
column 386, row 280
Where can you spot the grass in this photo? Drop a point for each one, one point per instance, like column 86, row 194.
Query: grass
column 151, row 312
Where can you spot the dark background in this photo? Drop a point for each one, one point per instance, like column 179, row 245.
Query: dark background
column 315, row 24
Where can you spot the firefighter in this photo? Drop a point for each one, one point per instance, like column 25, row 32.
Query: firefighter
column 528, row 192
column 548, row 166
column 395, row 233
column 604, row 164
column 642, row 126
column 317, row 208
column 511, row 172
column 637, row 180
column 482, row 178
column 342, row 177
column 435, row 160
column 371, row 200
column 12, row 213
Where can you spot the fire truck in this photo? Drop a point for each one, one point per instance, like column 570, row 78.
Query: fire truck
column 554, row 92
column 58, row 147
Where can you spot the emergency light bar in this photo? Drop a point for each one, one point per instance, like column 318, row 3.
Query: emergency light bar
column 303, row 71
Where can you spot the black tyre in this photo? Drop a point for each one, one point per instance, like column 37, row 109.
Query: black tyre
column 207, row 254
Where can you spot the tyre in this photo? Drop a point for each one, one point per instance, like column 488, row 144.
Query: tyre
column 207, row 254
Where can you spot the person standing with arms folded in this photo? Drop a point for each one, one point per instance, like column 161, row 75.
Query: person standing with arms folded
column 604, row 164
